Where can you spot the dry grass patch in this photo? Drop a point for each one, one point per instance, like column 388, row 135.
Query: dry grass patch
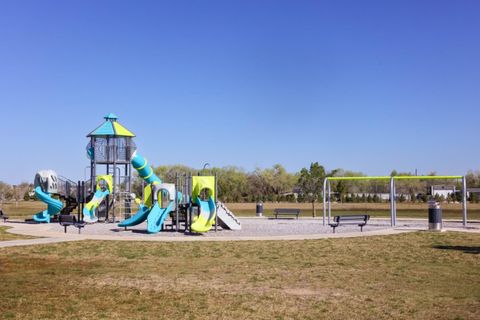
column 22, row 209
column 418, row 275
column 5, row 235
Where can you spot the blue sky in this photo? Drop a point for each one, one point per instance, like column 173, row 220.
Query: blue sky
column 363, row 85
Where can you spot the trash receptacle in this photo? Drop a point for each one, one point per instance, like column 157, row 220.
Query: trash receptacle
column 434, row 216
column 259, row 209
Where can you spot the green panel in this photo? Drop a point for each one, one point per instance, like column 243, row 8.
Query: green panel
column 426, row 177
column 108, row 179
column 202, row 182
column 122, row 131
column 395, row 177
column 147, row 195
column 360, row 178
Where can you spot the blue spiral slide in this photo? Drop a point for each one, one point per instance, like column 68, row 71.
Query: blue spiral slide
column 54, row 206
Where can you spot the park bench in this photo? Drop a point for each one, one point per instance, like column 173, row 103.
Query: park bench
column 286, row 212
column 66, row 220
column 3, row 216
column 358, row 219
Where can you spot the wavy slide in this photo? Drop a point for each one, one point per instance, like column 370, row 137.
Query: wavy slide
column 137, row 218
column 89, row 209
column 206, row 218
column 157, row 216
column 54, row 206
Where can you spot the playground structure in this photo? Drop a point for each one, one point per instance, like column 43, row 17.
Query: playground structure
column 48, row 183
column 110, row 151
column 393, row 193
column 190, row 200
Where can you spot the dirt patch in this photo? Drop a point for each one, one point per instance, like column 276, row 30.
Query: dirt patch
column 322, row 293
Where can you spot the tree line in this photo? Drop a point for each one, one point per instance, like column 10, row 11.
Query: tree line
column 276, row 184
column 10, row 192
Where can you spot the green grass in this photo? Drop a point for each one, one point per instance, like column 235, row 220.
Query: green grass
column 407, row 276
column 4, row 235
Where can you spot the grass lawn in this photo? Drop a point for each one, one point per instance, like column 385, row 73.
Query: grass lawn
column 417, row 275
column 23, row 209
column 4, row 235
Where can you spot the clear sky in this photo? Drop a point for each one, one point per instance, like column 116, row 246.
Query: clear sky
column 363, row 85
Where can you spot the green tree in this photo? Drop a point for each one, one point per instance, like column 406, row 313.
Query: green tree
column 340, row 189
column 311, row 183
column 474, row 197
column 232, row 184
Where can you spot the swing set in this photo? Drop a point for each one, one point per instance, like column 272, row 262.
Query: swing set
column 393, row 193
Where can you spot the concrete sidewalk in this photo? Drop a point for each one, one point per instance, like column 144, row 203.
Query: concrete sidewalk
column 28, row 242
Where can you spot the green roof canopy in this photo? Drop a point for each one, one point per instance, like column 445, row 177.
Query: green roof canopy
column 111, row 128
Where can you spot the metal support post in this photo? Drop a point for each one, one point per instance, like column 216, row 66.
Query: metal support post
column 324, row 200
column 464, row 200
column 216, row 191
column 329, row 201
column 392, row 196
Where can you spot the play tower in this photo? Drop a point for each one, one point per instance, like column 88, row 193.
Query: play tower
column 110, row 150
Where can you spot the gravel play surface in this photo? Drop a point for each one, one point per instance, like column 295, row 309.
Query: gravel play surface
column 259, row 227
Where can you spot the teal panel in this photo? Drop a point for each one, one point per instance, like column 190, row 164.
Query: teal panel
column 112, row 116
column 106, row 129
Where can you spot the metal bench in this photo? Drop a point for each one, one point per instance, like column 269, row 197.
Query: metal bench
column 3, row 216
column 286, row 212
column 358, row 219
column 66, row 220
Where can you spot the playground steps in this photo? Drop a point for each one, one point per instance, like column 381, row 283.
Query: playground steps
column 70, row 205
column 227, row 218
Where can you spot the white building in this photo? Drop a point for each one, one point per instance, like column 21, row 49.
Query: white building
column 442, row 190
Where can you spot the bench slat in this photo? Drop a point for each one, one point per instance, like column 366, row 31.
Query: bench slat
column 286, row 211
column 280, row 211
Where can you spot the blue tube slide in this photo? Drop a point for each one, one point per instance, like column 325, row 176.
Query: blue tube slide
column 144, row 170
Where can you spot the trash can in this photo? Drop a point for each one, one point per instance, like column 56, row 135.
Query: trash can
column 259, row 212
column 434, row 216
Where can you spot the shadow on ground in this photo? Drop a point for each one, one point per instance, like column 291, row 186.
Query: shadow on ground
column 465, row 249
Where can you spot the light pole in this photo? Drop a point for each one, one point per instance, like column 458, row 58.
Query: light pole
column 15, row 195
column 205, row 165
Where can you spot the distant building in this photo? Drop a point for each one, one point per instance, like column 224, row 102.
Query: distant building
column 442, row 190
column 382, row 196
column 295, row 192
column 471, row 191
